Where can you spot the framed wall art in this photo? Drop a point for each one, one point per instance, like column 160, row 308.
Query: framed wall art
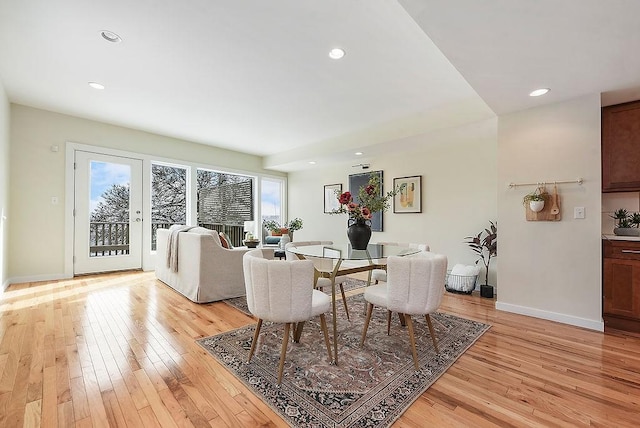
column 331, row 192
column 409, row 196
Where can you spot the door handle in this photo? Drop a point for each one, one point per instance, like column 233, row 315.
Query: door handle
column 138, row 219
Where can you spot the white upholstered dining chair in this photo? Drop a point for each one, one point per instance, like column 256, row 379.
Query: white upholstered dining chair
column 378, row 275
column 415, row 287
column 321, row 265
column 283, row 292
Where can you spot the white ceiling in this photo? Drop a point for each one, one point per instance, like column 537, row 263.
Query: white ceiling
column 255, row 76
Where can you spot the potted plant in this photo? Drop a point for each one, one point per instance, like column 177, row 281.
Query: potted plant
column 535, row 200
column 485, row 244
column 288, row 228
column 626, row 223
column 293, row 225
column 273, row 227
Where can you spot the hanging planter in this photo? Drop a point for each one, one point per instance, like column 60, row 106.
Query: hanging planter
column 536, row 206
column 536, row 199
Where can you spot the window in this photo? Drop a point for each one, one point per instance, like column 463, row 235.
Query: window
column 168, row 198
column 271, row 200
column 225, row 202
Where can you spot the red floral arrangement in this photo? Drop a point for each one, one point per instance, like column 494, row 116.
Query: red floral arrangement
column 371, row 200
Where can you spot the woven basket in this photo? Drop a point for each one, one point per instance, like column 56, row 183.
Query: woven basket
column 460, row 283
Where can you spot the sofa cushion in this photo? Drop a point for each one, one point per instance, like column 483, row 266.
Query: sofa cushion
column 272, row 240
column 204, row 231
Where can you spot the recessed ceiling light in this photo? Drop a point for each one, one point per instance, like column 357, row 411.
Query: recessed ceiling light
column 110, row 36
column 539, row 92
column 312, row 162
column 336, row 53
column 96, row 85
column 358, row 153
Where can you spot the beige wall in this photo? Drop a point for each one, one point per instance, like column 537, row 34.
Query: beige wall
column 459, row 194
column 546, row 269
column 4, row 185
column 37, row 232
column 551, row 270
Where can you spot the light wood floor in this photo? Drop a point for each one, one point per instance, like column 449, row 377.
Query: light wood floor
column 119, row 350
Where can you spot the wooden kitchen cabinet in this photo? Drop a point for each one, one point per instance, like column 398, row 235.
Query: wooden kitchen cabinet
column 621, row 285
column 621, row 147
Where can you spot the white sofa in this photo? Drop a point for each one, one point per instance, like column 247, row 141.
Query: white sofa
column 206, row 272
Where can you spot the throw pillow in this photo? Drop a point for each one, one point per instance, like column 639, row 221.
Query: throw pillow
column 223, row 240
column 229, row 243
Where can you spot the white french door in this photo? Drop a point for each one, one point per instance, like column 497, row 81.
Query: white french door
column 107, row 213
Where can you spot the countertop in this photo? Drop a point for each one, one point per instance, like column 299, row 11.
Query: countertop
column 620, row 238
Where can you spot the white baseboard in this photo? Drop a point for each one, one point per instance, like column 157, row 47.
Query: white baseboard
column 551, row 316
column 37, row 278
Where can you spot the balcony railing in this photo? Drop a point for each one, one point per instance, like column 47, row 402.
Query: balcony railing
column 235, row 232
column 112, row 238
column 108, row 238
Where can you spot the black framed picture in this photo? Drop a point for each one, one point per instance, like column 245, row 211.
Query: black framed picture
column 356, row 181
column 331, row 192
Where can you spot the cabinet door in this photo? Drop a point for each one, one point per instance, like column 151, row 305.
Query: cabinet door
column 622, row 287
column 621, row 147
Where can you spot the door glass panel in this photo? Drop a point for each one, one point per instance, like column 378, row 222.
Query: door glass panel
column 109, row 209
column 168, row 198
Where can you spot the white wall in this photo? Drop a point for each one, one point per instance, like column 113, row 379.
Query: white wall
column 4, row 186
column 551, row 270
column 459, row 194
column 36, row 241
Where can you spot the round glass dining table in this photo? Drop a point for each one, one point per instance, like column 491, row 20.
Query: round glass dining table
column 345, row 261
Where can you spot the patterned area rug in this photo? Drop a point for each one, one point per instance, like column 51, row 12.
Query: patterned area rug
column 240, row 303
column 370, row 387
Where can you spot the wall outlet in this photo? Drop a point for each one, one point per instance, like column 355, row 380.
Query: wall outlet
column 54, row 200
column 578, row 212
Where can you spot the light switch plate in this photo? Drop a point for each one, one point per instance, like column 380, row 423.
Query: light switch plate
column 578, row 212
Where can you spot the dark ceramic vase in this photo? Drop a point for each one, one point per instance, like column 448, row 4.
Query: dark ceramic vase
column 359, row 233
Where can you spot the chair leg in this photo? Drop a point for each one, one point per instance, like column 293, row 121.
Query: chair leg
column 412, row 339
column 297, row 331
column 344, row 300
column 433, row 334
column 388, row 322
column 366, row 323
column 255, row 339
column 283, row 352
column 401, row 318
column 323, row 324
